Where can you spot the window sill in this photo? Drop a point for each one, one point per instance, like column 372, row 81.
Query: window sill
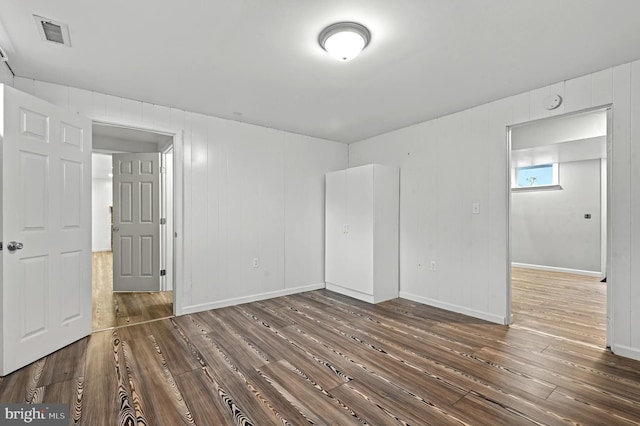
column 537, row 188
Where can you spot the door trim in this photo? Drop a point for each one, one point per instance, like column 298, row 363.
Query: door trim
column 606, row 245
column 178, row 203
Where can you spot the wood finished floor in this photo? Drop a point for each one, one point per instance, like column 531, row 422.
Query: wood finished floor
column 123, row 308
column 570, row 306
column 322, row 358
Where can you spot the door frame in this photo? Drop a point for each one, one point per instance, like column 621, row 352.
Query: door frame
column 178, row 203
column 606, row 257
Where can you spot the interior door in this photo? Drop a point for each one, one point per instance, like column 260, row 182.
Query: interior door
column 46, row 228
column 136, row 222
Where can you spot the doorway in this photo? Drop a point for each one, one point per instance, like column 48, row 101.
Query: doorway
column 558, row 227
column 127, row 305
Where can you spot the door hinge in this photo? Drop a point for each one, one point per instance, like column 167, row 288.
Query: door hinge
column 163, row 272
column 0, row 245
column 163, row 221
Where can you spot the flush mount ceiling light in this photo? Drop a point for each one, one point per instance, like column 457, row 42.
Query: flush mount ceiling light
column 344, row 40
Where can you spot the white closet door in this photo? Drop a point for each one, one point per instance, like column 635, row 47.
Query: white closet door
column 360, row 228
column 336, row 264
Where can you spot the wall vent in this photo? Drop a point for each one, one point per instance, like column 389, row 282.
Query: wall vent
column 3, row 56
column 53, row 31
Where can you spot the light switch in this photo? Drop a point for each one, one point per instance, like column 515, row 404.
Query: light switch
column 475, row 208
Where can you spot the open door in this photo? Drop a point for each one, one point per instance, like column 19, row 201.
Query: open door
column 136, row 222
column 45, row 228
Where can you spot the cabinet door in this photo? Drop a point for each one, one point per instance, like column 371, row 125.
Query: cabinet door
column 335, row 220
column 360, row 228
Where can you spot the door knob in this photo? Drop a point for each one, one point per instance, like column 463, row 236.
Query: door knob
column 13, row 246
column 116, row 228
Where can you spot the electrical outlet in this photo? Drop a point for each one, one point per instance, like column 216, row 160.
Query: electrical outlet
column 433, row 265
column 256, row 262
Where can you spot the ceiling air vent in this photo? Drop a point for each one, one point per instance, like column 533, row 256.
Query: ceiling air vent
column 53, row 31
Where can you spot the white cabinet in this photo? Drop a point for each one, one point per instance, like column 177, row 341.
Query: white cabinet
column 361, row 231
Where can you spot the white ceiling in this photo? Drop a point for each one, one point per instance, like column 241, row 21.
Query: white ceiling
column 259, row 61
column 576, row 137
column 559, row 129
column 130, row 134
column 111, row 139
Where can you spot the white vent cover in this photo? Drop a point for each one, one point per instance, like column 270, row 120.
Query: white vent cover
column 3, row 56
column 53, row 31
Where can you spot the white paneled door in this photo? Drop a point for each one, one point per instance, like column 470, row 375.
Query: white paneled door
column 45, row 228
column 136, row 222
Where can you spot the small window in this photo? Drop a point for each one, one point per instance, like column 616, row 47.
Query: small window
column 544, row 176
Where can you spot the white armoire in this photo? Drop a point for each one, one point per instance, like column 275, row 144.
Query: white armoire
column 361, row 232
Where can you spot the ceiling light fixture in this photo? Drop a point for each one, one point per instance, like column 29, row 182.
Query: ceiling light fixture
column 344, row 40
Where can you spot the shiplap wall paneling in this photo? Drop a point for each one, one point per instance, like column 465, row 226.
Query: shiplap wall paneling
column 472, row 142
column 236, row 194
column 578, row 93
column 634, row 156
column 306, row 163
column 478, row 276
column 496, row 299
column 204, row 267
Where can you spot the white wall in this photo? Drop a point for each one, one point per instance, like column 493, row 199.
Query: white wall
column 548, row 228
column 101, row 200
column 248, row 192
column 451, row 162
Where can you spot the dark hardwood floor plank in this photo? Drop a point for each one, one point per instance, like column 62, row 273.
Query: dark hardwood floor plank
column 70, row 392
column 315, row 402
column 174, row 349
column 475, row 410
column 233, row 382
column 373, row 359
column 156, row 396
column 324, row 358
column 510, row 381
column 205, row 404
column 414, row 409
column 65, row 364
column 100, row 402
column 367, row 407
column 21, row 386
column 258, row 336
column 581, row 412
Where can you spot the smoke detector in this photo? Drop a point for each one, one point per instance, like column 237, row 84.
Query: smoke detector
column 53, row 31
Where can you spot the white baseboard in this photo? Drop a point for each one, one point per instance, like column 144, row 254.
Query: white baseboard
column 556, row 269
column 454, row 308
column 247, row 299
column 626, row 351
column 351, row 293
